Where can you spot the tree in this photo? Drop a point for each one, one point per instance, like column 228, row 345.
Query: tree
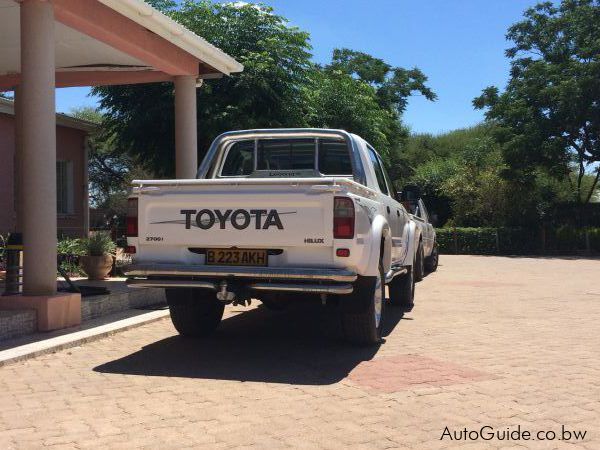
column 393, row 85
column 336, row 100
column 279, row 87
column 365, row 95
column 549, row 115
column 268, row 93
column 459, row 175
column 110, row 170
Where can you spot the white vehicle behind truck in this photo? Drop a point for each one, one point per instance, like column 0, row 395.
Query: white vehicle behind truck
column 285, row 215
column 428, row 255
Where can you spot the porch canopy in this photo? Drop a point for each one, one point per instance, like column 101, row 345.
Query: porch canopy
column 46, row 44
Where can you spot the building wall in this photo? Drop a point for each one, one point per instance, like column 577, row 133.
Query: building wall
column 70, row 146
column 7, row 152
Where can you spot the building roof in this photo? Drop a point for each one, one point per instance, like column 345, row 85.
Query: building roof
column 88, row 43
column 7, row 106
column 142, row 13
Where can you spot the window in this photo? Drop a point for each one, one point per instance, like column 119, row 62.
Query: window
column 286, row 154
column 239, row 160
column 327, row 156
column 334, row 158
column 378, row 171
column 64, row 187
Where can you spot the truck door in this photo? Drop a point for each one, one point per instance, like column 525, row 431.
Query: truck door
column 392, row 209
column 427, row 229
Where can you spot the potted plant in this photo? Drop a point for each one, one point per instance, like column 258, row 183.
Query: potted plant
column 98, row 258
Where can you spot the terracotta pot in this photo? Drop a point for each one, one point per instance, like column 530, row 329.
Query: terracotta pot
column 96, row 267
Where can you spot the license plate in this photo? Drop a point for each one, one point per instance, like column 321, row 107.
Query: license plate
column 236, row 257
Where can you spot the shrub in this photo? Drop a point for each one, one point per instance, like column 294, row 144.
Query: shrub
column 474, row 241
column 69, row 250
column 517, row 241
column 98, row 244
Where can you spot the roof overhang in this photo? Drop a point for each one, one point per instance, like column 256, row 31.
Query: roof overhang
column 8, row 107
column 103, row 42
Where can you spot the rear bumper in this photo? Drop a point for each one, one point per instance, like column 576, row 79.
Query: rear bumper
column 281, row 279
column 262, row 273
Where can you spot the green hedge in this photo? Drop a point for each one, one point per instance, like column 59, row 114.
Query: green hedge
column 518, row 241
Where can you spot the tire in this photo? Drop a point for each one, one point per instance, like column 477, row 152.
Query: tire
column 193, row 312
column 420, row 263
column 402, row 291
column 365, row 327
column 431, row 262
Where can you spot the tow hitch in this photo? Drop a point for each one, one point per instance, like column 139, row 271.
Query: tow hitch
column 229, row 296
column 223, row 294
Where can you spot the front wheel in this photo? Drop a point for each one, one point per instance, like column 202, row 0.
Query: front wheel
column 193, row 312
column 364, row 327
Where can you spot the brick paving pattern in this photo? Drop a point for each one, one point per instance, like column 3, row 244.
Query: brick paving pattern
column 503, row 342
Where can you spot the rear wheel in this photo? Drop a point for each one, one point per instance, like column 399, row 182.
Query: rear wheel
column 364, row 327
column 431, row 263
column 402, row 291
column 193, row 312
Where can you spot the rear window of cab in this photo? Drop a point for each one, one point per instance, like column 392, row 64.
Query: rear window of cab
column 324, row 156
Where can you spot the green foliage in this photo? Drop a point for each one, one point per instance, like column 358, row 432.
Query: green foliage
column 70, row 246
column 69, row 250
column 338, row 100
column 459, row 174
column 393, row 85
column 98, row 244
column 549, row 115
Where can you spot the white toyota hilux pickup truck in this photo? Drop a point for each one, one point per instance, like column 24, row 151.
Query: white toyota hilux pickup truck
column 282, row 215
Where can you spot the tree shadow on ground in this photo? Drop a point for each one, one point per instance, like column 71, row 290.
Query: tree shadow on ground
column 297, row 346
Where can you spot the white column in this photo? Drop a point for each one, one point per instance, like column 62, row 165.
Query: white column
column 38, row 178
column 186, row 137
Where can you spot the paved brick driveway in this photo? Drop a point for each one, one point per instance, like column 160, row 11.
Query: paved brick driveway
column 503, row 342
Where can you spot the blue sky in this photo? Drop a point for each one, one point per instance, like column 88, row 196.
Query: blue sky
column 458, row 44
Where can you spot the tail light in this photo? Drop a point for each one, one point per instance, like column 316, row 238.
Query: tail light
column 343, row 218
column 132, row 217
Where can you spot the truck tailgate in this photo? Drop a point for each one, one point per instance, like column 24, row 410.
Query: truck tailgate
column 213, row 213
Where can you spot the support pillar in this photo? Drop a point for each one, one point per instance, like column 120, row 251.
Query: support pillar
column 186, row 133
column 38, row 177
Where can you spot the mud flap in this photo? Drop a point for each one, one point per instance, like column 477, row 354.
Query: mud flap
column 360, row 299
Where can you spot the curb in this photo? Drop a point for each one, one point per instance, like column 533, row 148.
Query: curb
column 69, row 340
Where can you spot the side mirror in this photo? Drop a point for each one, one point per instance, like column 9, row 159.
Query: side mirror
column 411, row 193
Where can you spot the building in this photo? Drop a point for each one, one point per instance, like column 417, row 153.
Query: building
column 47, row 44
column 71, row 173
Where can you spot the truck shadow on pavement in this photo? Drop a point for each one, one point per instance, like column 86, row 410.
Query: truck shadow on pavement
column 300, row 346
